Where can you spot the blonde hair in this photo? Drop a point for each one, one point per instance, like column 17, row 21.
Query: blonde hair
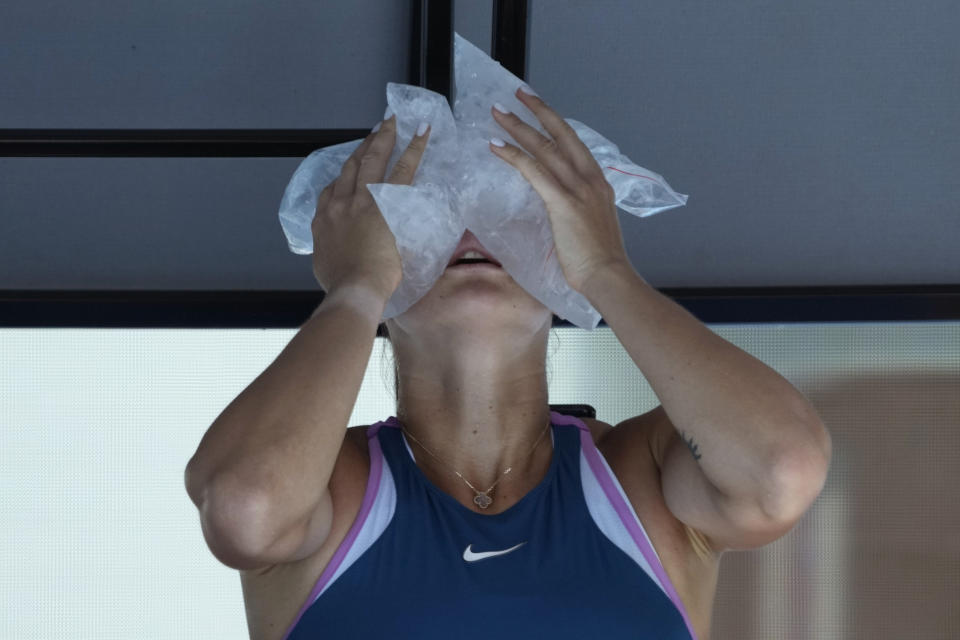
column 396, row 369
column 698, row 540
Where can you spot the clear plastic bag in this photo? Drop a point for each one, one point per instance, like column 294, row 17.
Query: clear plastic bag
column 460, row 184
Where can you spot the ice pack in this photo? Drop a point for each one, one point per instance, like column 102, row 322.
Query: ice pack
column 461, row 184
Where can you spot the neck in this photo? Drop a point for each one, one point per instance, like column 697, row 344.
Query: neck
column 479, row 408
column 526, row 457
column 480, row 446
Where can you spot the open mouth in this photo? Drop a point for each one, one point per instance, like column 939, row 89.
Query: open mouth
column 473, row 263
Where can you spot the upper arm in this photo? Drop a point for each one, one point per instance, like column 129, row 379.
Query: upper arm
column 723, row 523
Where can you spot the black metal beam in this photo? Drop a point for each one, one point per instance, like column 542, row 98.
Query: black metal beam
column 510, row 35
column 431, row 46
column 290, row 309
column 430, row 66
column 170, row 143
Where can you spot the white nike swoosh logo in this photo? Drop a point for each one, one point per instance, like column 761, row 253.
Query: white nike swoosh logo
column 470, row 556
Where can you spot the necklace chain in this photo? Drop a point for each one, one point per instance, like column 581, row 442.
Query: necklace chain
column 482, row 499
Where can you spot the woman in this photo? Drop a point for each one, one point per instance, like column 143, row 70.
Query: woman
column 477, row 512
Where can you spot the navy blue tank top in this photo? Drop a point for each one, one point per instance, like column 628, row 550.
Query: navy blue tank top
column 569, row 560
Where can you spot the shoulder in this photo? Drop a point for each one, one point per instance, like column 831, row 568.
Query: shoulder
column 635, row 450
column 598, row 429
column 641, row 435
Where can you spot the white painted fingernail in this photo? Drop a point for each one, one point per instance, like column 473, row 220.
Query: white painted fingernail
column 526, row 89
column 497, row 142
column 422, row 129
column 499, row 107
column 376, row 127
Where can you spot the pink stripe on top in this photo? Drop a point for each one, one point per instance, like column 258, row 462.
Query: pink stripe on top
column 373, row 483
column 624, row 510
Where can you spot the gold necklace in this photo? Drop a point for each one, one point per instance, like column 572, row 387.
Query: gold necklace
column 482, row 500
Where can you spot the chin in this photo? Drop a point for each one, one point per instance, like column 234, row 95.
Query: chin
column 463, row 289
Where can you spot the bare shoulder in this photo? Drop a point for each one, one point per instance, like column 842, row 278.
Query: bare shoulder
column 597, row 428
column 630, row 449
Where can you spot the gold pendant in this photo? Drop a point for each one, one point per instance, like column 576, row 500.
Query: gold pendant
column 483, row 500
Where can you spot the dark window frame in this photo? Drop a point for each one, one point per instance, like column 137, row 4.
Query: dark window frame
column 430, row 66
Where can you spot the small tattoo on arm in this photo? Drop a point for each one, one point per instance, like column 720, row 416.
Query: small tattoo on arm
column 690, row 445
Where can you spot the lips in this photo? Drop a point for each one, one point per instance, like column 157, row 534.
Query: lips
column 463, row 250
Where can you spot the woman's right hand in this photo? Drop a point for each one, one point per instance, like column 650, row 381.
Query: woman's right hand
column 352, row 244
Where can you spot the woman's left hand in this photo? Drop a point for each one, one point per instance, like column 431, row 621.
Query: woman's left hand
column 578, row 199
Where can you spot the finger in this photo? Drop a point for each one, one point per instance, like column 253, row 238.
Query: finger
column 544, row 149
column 346, row 183
column 324, row 198
column 373, row 163
column 567, row 139
column 406, row 167
column 533, row 170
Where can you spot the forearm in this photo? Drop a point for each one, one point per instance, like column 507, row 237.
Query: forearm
column 748, row 427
